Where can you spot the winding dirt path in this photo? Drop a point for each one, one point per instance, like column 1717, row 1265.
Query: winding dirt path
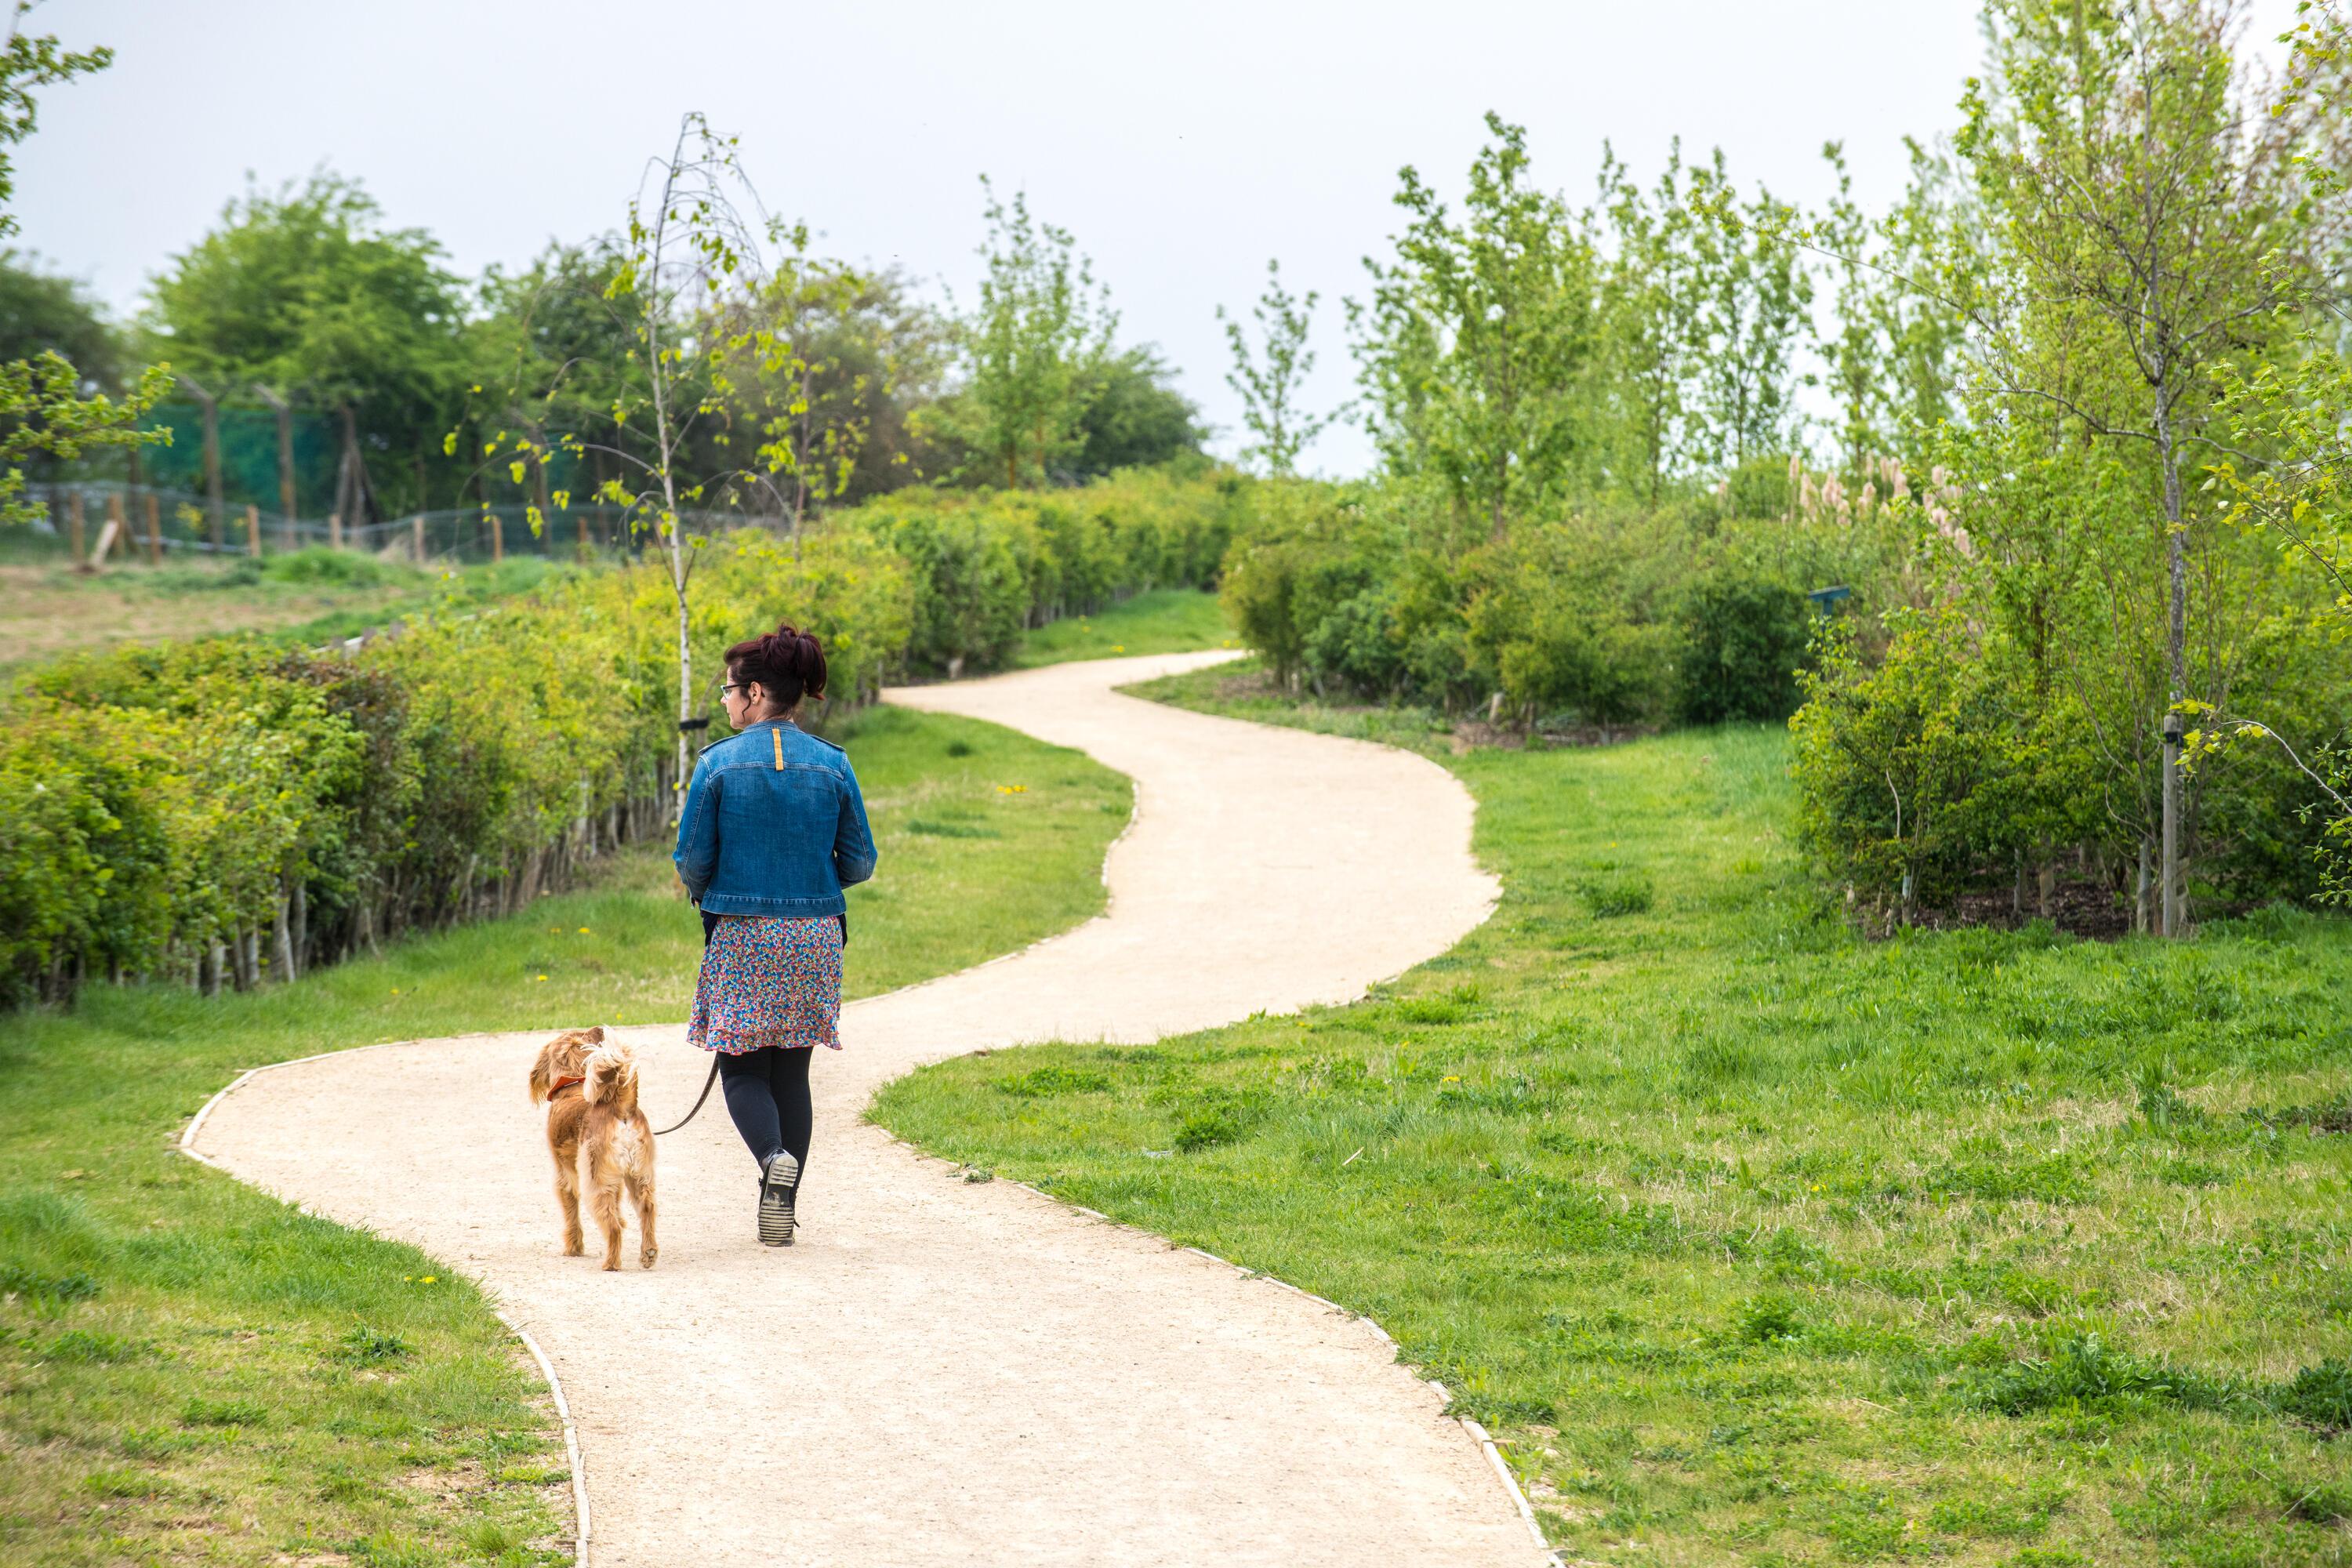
column 944, row 1373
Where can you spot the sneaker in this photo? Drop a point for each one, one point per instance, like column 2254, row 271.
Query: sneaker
column 777, row 1184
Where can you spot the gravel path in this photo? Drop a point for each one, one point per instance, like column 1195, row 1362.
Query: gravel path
column 948, row 1372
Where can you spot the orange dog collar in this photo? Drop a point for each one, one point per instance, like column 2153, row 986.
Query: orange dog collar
column 562, row 1084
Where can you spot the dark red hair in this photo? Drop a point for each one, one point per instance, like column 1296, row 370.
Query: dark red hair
column 788, row 662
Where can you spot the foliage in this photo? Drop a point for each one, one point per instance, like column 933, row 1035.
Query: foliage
column 1269, row 393
column 304, row 291
column 226, row 810
column 988, row 564
column 48, row 407
column 1918, row 776
column 1743, row 641
column 1473, row 333
column 1134, row 417
column 1032, row 345
column 29, row 62
column 42, row 312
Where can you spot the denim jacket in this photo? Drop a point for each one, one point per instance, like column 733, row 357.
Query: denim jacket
column 774, row 825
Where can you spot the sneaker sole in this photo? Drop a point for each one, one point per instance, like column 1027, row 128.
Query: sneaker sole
column 776, row 1201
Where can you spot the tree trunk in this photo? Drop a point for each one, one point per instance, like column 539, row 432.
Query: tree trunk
column 281, row 937
column 2176, row 648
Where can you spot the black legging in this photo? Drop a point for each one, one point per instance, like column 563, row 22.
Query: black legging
column 767, row 1090
column 768, row 1095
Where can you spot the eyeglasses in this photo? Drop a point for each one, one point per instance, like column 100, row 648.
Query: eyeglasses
column 725, row 686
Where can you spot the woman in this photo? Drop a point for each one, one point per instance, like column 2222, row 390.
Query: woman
column 773, row 829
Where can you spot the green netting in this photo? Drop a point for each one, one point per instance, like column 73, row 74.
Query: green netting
column 248, row 448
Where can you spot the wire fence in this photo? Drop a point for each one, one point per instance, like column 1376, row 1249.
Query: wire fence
column 103, row 522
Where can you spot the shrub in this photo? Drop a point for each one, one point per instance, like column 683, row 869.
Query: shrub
column 1743, row 640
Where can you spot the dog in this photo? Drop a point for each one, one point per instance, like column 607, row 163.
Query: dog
column 590, row 1090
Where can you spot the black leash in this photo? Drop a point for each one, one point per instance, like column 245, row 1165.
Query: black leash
column 707, row 922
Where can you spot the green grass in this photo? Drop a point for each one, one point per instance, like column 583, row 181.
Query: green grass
column 1758, row 1243
column 1166, row 620
column 192, row 1371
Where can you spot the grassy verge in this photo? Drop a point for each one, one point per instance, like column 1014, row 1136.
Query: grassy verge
column 308, row 595
column 190, row 1371
column 1756, row 1244
column 1166, row 620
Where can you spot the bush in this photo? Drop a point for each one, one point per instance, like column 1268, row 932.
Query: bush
column 1743, row 640
column 1936, row 769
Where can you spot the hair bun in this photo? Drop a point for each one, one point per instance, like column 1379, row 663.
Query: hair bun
column 788, row 662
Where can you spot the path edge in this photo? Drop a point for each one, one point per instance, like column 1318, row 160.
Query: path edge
column 1470, row 1428
column 186, row 1145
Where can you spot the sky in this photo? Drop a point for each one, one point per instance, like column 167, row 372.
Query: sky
column 1183, row 146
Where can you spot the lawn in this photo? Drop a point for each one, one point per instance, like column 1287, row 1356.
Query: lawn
column 1755, row 1243
column 190, row 1371
column 1165, row 620
column 308, row 595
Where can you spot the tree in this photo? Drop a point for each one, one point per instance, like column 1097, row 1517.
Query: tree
column 1478, row 336
column 46, row 406
column 1032, row 346
column 1269, row 393
column 1134, row 418
column 42, row 312
column 1650, row 292
column 1755, row 298
column 2300, row 410
column 2151, row 214
column 303, row 291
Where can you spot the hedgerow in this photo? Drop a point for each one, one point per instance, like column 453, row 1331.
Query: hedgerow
column 230, row 810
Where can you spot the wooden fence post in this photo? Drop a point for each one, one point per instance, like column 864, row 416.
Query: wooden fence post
column 497, row 538
column 154, row 531
column 253, row 532
column 116, row 523
column 416, row 537
column 334, row 531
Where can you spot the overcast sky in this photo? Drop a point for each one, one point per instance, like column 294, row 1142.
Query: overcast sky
column 1182, row 145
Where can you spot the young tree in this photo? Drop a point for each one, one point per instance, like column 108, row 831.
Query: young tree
column 688, row 243
column 1269, row 393
column 1755, row 299
column 1650, row 292
column 46, row 407
column 2151, row 211
column 1032, row 345
column 1479, row 336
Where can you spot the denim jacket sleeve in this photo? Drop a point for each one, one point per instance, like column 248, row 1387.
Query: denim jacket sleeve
column 698, row 831
column 853, row 842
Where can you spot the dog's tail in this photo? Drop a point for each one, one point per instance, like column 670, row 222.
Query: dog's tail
column 612, row 1079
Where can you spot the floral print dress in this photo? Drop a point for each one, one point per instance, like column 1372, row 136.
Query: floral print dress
column 768, row 981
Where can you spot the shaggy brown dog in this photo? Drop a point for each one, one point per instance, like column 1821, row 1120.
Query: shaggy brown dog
column 592, row 1120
